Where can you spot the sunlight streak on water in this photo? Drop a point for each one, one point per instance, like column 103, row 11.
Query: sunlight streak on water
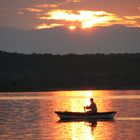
column 83, row 129
column 24, row 98
column 44, row 97
column 128, row 118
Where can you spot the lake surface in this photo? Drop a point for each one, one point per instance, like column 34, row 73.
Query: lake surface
column 30, row 115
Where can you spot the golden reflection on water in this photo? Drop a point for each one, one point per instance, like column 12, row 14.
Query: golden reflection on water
column 75, row 103
column 72, row 101
column 82, row 130
column 34, row 115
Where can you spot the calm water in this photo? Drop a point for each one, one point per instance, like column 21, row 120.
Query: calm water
column 30, row 116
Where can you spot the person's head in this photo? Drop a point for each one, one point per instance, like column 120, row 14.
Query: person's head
column 91, row 99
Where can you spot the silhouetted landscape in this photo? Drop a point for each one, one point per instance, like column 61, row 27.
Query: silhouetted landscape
column 37, row 72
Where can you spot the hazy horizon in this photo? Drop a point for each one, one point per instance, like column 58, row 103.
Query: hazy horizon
column 61, row 40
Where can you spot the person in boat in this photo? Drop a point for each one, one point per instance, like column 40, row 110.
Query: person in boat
column 92, row 107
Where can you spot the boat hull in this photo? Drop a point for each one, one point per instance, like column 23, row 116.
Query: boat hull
column 85, row 115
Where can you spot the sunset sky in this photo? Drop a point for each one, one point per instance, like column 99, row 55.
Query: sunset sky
column 39, row 14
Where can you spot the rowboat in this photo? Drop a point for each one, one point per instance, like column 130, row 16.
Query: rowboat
column 85, row 115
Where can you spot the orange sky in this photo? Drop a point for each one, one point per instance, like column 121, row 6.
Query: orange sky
column 70, row 13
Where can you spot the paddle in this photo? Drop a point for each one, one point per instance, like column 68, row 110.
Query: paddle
column 84, row 108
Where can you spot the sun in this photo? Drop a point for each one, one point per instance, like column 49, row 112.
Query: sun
column 72, row 27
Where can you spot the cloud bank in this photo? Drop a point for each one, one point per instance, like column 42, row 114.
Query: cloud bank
column 70, row 13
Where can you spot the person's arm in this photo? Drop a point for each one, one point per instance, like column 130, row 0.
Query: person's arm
column 87, row 107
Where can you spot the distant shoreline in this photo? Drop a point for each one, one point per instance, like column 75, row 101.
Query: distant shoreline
column 36, row 72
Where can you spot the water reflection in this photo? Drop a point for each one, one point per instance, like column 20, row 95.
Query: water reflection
column 128, row 118
column 18, row 120
column 84, row 130
column 75, row 103
column 81, row 130
column 90, row 130
column 30, row 116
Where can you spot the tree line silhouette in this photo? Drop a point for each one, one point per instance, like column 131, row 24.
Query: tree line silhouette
column 37, row 72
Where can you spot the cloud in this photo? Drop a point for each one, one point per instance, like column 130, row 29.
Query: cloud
column 86, row 19
column 34, row 10
column 132, row 17
column 42, row 26
column 47, row 6
column 64, row 13
column 73, row 1
column 71, row 13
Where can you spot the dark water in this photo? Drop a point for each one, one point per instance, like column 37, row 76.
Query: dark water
column 30, row 116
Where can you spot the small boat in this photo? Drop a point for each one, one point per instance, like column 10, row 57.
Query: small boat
column 85, row 115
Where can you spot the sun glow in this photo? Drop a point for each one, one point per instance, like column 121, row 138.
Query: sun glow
column 86, row 19
column 89, row 93
column 43, row 26
column 34, row 10
column 72, row 27
column 84, row 129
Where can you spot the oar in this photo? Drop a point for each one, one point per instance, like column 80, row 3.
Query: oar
column 85, row 112
column 84, row 109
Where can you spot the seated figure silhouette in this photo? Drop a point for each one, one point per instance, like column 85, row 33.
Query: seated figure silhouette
column 92, row 107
